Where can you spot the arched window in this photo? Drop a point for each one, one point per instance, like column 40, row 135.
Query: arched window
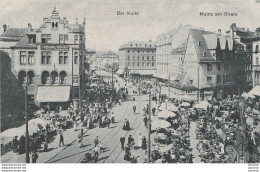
column 257, row 48
column 45, row 77
column 30, row 75
column 63, row 77
column 22, row 77
column 54, row 77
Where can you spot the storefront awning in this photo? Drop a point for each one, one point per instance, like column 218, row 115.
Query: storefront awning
column 53, row 94
column 120, row 71
column 255, row 91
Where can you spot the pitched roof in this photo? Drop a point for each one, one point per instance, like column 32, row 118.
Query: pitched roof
column 78, row 28
column 24, row 43
column 138, row 44
column 201, row 49
column 212, row 41
column 15, row 32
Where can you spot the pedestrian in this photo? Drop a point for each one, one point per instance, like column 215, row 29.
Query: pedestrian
column 96, row 142
column 61, row 140
column 140, row 137
column 34, row 157
column 119, row 102
column 108, row 122
column 130, row 141
column 143, row 143
column 134, row 109
column 145, row 121
column 122, row 141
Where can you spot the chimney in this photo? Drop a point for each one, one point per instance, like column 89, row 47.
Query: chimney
column 5, row 27
column 219, row 30
column 29, row 27
column 45, row 19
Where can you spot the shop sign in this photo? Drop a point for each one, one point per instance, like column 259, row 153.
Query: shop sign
column 55, row 47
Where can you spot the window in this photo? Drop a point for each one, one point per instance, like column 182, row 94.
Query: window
column 76, row 57
column 133, row 64
column 204, row 55
column 128, row 51
column 23, row 57
column 128, row 57
column 199, row 43
column 153, row 58
column 143, row 57
column 218, row 78
column 133, row 58
column 148, row 58
column 54, row 24
column 257, row 48
column 138, row 51
column 143, row 64
column 209, row 67
column 32, row 39
column 257, row 61
column 76, row 39
column 63, row 38
column 224, row 78
column 46, row 57
column 81, row 39
column 138, row 58
column 214, row 54
column 63, row 57
column 31, row 57
column 148, row 64
column 209, row 79
column 138, row 64
column 128, row 64
column 46, row 38
column 152, row 63
column 218, row 66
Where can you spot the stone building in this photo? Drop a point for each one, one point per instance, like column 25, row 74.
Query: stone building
column 50, row 60
column 137, row 59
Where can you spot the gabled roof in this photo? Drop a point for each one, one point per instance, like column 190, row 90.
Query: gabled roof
column 212, row 41
column 197, row 36
column 77, row 28
column 24, row 43
column 15, row 32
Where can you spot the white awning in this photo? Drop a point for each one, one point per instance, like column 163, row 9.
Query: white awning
column 255, row 91
column 53, row 94
column 120, row 71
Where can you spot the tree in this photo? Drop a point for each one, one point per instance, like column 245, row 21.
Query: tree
column 115, row 67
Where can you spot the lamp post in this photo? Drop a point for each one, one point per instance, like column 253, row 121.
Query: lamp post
column 149, row 129
column 27, row 158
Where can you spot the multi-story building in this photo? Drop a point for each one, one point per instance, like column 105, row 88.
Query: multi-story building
column 104, row 60
column 137, row 58
column 12, row 95
column 256, row 57
column 243, row 39
column 90, row 61
column 207, row 67
column 10, row 37
column 50, row 60
column 170, row 50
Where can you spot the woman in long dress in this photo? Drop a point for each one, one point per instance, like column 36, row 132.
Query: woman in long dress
column 140, row 140
column 75, row 125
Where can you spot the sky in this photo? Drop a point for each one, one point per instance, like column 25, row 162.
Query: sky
column 105, row 30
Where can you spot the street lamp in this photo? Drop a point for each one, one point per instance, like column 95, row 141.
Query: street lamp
column 27, row 158
column 149, row 129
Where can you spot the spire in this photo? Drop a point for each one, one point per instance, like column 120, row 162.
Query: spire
column 55, row 12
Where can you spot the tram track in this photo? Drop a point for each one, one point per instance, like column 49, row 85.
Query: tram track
column 110, row 131
column 118, row 129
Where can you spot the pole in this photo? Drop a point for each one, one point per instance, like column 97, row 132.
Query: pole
column 149, row 130
column 112, row 83
column 27, row 158
column 72, row 87
column 168, row 90
column 198, row 91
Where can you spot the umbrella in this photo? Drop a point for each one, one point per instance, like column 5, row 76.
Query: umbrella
column 9, row 134
column 163, row 106
column 166, row 114
column 202, row 105
column 160, row 124
column 185, row 104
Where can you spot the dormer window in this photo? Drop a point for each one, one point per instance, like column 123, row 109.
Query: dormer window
column 204, row 54
column 32, row 39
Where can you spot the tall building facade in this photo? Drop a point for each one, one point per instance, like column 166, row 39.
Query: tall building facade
column 137, row 58
column 256, row 61
column 50, row 60
column 104, row 60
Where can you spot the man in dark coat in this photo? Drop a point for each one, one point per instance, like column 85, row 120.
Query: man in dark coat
column 61, row 140
column 96, row 142
column 122, row 141
column 34, row 157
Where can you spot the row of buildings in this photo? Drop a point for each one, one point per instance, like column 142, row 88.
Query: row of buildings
column 48, row 63
column 197, row 64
